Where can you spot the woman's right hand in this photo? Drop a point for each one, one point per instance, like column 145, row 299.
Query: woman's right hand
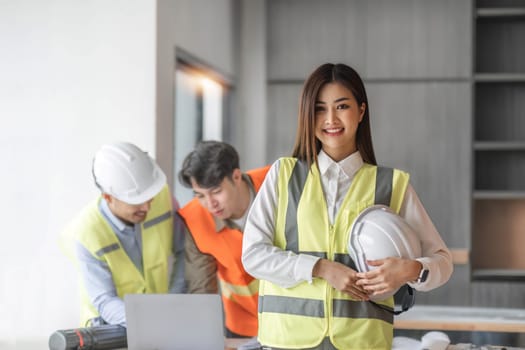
column 341, row 277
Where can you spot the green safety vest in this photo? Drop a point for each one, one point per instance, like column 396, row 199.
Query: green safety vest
column 302, row 316
column 91, row 229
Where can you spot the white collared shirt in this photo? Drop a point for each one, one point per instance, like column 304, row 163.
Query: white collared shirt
column 265, row 261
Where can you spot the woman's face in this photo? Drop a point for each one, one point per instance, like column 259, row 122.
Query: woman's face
column 337, row 115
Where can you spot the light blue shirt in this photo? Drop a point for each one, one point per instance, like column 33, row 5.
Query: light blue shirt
column 97, row 276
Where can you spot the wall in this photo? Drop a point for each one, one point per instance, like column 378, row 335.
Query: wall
column 204, row 29
column 74, row 74
column 250, row 130
column 415, row 59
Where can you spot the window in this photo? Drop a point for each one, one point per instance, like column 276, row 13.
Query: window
column 199, row 110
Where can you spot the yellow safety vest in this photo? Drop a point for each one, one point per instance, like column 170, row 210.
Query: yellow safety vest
column 302, row 316
column 91, row 229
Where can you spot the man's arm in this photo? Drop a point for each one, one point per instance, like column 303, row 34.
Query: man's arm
column 200, row 269
column 100, row 287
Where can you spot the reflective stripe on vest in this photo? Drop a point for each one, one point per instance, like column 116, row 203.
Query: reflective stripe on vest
column 325, row 345
column 307, row 313
column 315, row 308
column 93, row 231
column 229, row 290
column 239, row 290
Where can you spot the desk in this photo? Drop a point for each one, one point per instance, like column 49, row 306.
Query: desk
column 229, row 343
column 232, row 344
column 455, row 318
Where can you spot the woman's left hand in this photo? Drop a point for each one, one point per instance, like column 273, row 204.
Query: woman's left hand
column 388, row 275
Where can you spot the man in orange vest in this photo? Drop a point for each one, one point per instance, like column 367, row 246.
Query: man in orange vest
column 215, row 220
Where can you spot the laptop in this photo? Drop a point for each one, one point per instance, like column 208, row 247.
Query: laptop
column 174, row 322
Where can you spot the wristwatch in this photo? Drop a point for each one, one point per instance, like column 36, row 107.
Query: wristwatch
column 423, row 275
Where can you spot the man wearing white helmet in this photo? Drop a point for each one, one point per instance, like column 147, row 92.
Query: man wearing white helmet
column 128, row 240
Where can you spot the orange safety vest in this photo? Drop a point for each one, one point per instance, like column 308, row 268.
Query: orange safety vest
column 239, row 290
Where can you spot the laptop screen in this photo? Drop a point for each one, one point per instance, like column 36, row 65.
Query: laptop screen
column 174, row 322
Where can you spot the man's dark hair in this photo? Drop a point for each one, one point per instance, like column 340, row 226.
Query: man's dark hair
column 208, row 164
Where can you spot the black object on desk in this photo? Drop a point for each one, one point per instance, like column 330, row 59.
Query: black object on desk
column 89, row 338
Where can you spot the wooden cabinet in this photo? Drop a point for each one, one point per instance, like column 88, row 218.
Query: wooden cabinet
column 498, row 228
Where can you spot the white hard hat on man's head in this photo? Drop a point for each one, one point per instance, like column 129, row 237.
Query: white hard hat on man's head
column 379, row 233
column 127, row 173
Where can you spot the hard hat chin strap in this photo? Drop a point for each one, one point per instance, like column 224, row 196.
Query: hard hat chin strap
column 409, row 299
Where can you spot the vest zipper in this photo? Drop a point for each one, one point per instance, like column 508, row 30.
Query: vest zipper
column 329, row 288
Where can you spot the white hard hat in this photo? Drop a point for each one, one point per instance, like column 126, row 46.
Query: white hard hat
column 127, row 173
column 379, row 233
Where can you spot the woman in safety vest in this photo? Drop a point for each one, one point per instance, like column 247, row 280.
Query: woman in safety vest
column 296, row 235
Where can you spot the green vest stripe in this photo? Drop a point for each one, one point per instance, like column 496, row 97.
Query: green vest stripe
column 360, row 309
column 291, row 306
column 315, row 308
column 384, row 178
column 345, row 259
column 295, row 189
column 157, row 220
column 107, row 249
column 325, row 345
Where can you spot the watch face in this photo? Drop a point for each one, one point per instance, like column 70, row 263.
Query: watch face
column 423, row 275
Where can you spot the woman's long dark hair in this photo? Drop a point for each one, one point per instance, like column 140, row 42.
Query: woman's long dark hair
column 307, row 146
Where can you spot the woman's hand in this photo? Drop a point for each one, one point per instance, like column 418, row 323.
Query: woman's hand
column 341, row 277
column 389, row 275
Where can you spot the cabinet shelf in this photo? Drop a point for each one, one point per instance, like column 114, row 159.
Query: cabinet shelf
column 499, row 77
column 501, row 12
column 500, row 53
column 500, row 195
column 498, row 274
column 499, row 146
column 497, row 170
column 500, row 112
column 498, row 233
